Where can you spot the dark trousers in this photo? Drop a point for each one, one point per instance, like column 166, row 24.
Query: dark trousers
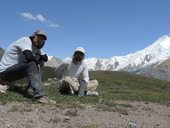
column 30, row 70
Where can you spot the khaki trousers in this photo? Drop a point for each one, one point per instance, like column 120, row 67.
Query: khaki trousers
column 74, row 85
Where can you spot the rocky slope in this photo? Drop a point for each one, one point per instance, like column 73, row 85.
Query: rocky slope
column 158, row 70
column 1, row 52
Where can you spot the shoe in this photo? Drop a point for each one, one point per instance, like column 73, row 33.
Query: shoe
column 46, row 100
column 92, row 93
column 10, row 85
column 3, row 88
column 37, row 96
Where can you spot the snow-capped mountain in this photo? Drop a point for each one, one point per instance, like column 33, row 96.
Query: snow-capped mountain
column 52, row 61
column 156, row 53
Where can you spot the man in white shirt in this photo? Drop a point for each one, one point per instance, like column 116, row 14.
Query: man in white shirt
column 24, row 58
column 69, row 74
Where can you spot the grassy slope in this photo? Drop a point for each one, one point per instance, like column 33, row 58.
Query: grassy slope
column 112, row 86
column 126, row 86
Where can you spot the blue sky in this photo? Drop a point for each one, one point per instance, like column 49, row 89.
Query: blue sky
column 105, row 28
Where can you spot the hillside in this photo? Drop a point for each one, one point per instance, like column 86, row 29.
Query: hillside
column 158, row 70
column 121, row 86
column 124, row 100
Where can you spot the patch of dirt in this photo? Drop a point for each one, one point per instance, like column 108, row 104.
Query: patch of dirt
column 25, row 115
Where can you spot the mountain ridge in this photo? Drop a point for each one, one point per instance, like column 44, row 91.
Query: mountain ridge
column 137, row 62
column 158, row 51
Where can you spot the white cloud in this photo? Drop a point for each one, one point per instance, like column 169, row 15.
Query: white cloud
column 28, row 16
column 53, row 25
column 39, row 18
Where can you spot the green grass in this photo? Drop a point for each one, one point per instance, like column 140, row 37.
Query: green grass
column 112, row 86
column 126, row 86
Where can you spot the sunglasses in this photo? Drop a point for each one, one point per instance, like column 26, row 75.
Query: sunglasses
column 79, row 53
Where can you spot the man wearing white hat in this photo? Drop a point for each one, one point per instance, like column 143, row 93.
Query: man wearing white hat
column 24, row 58
column 69, row 71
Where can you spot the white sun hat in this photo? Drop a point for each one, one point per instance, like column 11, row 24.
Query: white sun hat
column 40, row 32
column 80, row 49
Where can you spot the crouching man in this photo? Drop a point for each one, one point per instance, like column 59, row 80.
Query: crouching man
column 69, row 74
column 24, row 58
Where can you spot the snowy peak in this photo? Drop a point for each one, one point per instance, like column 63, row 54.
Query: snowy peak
column 50, row 57
column 53, row 61
column 133, row 62
column 165, row 43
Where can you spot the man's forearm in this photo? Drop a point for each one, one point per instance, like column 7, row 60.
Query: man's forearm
column 30, row 57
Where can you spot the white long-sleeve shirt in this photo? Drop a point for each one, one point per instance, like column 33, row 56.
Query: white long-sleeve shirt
column 14, row 53
column 68, row 68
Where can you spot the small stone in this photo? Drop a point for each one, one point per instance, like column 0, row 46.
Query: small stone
column 132, row 125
